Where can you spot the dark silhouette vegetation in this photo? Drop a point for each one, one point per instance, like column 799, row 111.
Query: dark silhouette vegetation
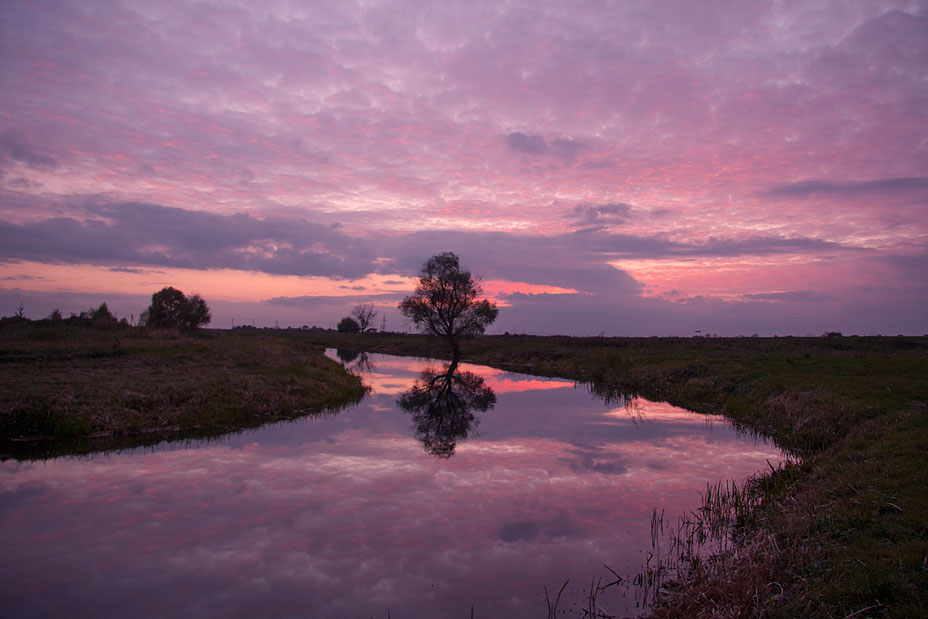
column 171, row 309
column 364, row 314
column 348, row 325
column 446, row 302
column 356, row 361
column 99, row 318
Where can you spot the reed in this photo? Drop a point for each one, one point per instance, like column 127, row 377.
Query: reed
column 552, row 606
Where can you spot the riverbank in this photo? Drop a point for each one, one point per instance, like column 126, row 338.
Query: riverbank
column 71, row 390
column 843, row 534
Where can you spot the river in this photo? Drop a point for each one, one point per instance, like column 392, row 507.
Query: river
column 437, row 494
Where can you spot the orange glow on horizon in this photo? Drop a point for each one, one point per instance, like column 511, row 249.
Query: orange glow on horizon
column 735, row 277
column 497, row 287
column 217, row 284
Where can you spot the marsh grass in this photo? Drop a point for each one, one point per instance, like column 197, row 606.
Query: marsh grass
column 90, row 390
column 693, row 548
column 840, row 532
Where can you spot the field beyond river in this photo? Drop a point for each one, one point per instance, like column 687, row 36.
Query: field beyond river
column 842, row 532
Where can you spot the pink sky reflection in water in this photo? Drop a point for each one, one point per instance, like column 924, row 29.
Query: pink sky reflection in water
column 348, row 516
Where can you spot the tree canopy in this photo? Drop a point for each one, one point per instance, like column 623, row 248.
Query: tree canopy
column 364, row 314
column 171, row 309
column 446, row 302
column 348, row 325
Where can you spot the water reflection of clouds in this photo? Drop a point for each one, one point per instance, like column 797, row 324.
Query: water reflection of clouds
column 392, row 375
column 594, row 459
column 502, row 381
column 639, row 409
column 502, row 384
column 278, row 523
column 348, row 516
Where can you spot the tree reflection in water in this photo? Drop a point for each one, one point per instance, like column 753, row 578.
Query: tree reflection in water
column 357, row 362
column 443, row 406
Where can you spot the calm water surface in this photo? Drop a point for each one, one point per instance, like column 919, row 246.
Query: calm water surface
column 482, row 488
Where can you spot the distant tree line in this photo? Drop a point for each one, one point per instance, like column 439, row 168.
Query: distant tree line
column 169, row 308
column 97, row 318
column 445, row 303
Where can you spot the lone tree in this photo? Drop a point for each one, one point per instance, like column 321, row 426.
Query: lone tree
column 364, row 314
column 171, row 309
column 446, row 302
column 348, row 325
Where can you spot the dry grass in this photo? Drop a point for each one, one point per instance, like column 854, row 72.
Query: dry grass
column 91, row 390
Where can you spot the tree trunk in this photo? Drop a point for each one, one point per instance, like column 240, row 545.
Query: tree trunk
column 455, row 349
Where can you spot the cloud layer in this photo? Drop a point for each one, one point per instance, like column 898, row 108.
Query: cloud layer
column 731, row 153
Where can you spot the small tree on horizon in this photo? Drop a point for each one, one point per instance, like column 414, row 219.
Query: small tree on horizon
column 364, row 314
column 102, row 317
column 446, row 302
column 171, row 309
column 348, row 325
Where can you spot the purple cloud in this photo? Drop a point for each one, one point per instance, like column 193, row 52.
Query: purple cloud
column 918, row 184
column 414, row 128
column 595, row 217
column 532, row 144
column 13, row 146
column 171, row 237
column 791, row 295
column 308, row 302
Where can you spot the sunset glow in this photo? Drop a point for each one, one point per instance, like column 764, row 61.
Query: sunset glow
column 627, row 168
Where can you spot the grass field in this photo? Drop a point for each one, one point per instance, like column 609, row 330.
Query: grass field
column 69, row 390
column 843, row 534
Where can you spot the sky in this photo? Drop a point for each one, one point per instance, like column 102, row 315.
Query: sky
column 618, row 168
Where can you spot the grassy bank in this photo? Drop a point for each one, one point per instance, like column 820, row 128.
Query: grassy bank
column 73, row 390
column 843, row 534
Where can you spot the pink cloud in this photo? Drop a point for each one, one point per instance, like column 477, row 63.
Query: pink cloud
column 397, row 118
